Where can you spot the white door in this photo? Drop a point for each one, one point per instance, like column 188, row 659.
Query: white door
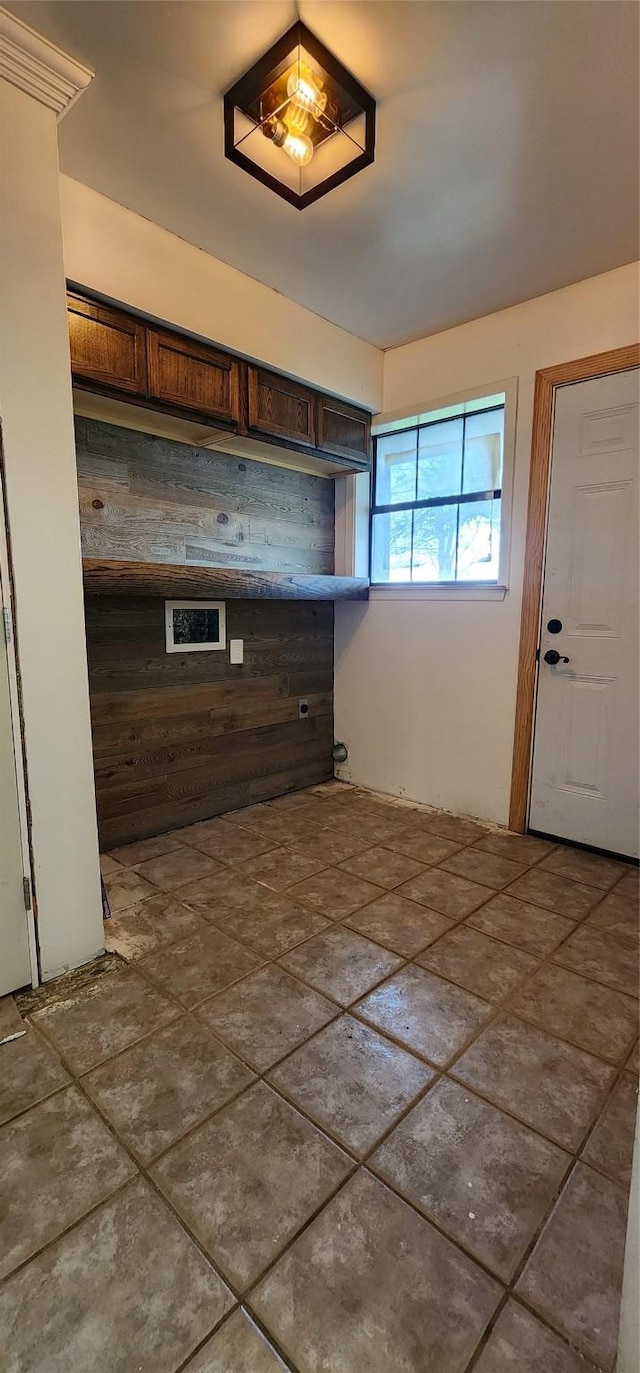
column 15, row 969
column 585, row 758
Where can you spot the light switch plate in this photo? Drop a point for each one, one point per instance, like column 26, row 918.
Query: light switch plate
column 236, row 650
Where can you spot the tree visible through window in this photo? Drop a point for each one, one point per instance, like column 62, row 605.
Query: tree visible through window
column 437, row 496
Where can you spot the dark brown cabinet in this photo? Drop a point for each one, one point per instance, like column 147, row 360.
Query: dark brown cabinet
column 343, row 429
column 281, row 408
column 117, row 353
column 192, row 376
column 107, row 346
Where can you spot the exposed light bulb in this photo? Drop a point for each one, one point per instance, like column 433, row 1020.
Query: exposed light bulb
column 296, row 117
column 298, row 146
column 303, row 91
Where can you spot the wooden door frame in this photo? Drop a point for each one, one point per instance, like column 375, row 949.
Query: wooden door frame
column 547, row 382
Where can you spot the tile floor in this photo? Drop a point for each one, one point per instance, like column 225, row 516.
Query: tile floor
column 358, row 1093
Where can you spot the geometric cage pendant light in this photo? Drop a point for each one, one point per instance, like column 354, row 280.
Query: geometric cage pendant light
column 298, row 121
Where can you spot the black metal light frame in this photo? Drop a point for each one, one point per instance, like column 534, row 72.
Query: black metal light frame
column 256, row 80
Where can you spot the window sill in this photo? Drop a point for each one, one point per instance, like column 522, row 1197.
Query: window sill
column 464, row 591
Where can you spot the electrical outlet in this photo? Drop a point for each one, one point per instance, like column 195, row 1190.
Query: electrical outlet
column 303, row 708
column 236, row 650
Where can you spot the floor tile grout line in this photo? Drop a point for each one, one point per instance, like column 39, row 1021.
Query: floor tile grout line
column 240, row 1293
column 575, row 1159
column 262, row 1072
column 237, row 868
column 521, row 1301
column 487, row 1332
column 342, row 1009
column 158, row 986
column 141, row 1170
column 605, row 1100
column 438, row 1073
column 24, row 1111
column 180, row 1013
column 6, row 1278
column 438, row 1070
column 511, row 1288
column 54, row 1091
column 621, row 1070
column 358, row 1159
column 414, row 809
column 289, row 1366
column 448, row 1070
column 358, row 1163
column 536, row 1129
column 500, row 1007
column 258, row 1077
column 145, row 1164
column 508, row 1288
column 547, row 958
column 461, row 921
column 542, row 960
column 285, row 846
column 494, row 893
column 351, row 1008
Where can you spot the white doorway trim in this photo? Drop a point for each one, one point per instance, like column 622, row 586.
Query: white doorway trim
column 546, row 383
column 7, row 604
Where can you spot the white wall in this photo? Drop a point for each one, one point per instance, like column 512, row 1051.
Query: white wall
column 41, row 493
column 629, row 1343
column 117, row 253
column 425, row 690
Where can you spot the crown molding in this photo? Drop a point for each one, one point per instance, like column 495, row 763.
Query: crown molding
column 38, row 67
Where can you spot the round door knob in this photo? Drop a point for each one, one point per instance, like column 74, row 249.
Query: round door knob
column 552, row 657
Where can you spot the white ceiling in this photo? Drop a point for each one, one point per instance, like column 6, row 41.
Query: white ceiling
column 506, row 162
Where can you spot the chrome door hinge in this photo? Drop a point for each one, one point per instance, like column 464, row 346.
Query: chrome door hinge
column 26, row 891
column 6, row 620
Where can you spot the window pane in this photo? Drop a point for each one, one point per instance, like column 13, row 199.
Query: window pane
column 396, row 468
column 434, row 544
column 440, row 460
column 483, row 442
column 391, row 547
column 479, row 541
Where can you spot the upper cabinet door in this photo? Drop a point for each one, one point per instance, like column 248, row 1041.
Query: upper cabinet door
column 281, row 407
column 344, row 429
column 107, row 346
column 192, row 376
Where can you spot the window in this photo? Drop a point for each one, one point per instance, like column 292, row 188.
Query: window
column 438, row 496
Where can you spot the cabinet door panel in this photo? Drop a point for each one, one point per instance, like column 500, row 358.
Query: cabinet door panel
column 192, row 376
column 344, row 429
column 107, row 346
column 281, row 407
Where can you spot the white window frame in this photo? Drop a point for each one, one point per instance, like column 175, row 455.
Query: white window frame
column 170, row 606
column 353, row 496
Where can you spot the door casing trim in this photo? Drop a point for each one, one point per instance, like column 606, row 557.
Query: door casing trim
column 547, row 381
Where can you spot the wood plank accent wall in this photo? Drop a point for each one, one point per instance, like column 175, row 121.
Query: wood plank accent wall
column 179, row 738
column 150, row 499
column 182, row 737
